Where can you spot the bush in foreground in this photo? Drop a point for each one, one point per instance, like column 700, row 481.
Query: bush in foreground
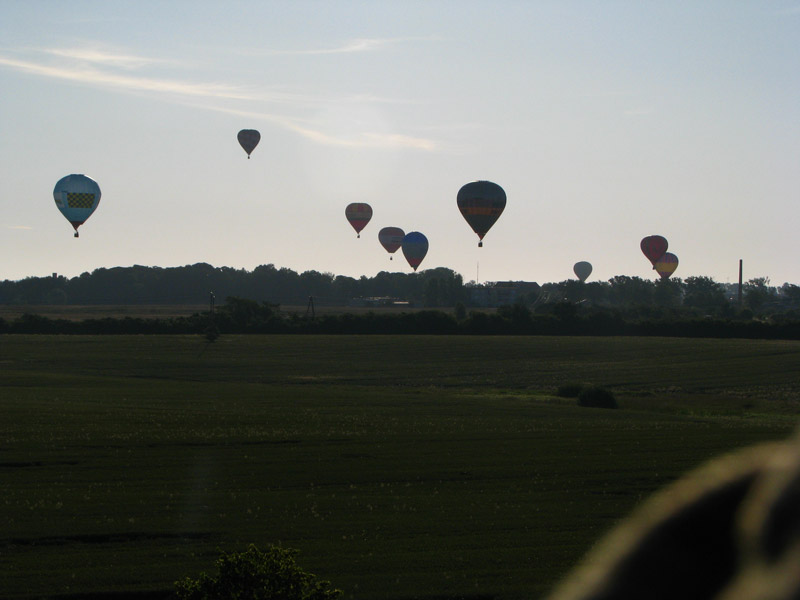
column 256, row 575
column 596, row 397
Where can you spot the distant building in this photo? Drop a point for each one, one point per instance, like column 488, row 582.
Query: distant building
column 376, row 301
column 500, row 293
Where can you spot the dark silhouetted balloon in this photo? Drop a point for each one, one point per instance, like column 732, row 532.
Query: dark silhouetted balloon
column 653, row 247
column 77, row 197
column 358, row 214
column 481, row 203
column 666, row 265
column 415, row 247
column 248, row 139
column 582, row 270
column 391, row 238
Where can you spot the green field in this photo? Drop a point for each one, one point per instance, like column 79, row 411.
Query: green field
column 400, row 466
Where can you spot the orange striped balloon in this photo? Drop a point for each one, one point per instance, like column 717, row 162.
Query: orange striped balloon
column 358, row 214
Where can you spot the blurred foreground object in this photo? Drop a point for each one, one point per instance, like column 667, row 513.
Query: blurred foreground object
column 729, row 530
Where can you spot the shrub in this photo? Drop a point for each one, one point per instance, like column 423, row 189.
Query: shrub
column 257, row 575
column 212, row 333
column 596, row 397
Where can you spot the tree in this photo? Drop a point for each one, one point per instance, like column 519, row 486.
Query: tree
column 256, row 575
column 790, row 295
column 432, row 293
column 631, row 290
column 668, row 292
column 704, row 293
column 757, row 292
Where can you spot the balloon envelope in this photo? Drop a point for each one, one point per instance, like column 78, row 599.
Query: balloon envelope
column 77, row 197
column 653, row 247
column 666, row 265
column 481, row 203
column 415, row 247
column 391, row 238
column 248, row 139
column 582, row 270
column 358, row 214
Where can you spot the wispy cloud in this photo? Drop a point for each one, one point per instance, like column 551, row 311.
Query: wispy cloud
column 314, row 133
column 111, row 70
column 102, row 57
column 366, row 139
column 103, row 78
column 356, row 45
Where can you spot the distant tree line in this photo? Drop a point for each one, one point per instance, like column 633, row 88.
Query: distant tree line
column 432, row 288
column 244, row 316
column 192, row 284
column 697, row 295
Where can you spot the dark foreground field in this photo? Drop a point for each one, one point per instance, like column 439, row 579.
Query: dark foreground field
column 400, row 467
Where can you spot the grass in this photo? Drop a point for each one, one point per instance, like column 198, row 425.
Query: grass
column 400, row 467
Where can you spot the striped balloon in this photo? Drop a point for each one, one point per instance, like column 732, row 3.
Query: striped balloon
column 358, row 214
column 481, row 203
column 391, row 238
column 666, row 265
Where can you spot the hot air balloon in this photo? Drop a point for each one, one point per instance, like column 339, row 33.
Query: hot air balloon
column 415, row 247
column 582, row 270
column 481, row 203
column 653, row 247
column 248, row 139
column 666, row 265
column 359, row 214
column 76, row 196
column 391, row 238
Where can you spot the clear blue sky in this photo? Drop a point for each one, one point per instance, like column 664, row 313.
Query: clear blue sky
column 603, row 121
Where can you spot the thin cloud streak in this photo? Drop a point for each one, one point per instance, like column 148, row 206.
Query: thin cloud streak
column 95, row 56
column 357, row 45
column 351, row 47
column 92, row 76
column 218, row 92
column 362, row 140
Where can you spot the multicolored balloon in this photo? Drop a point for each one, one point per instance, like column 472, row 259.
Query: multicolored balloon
column 77, row 197
column 666, row 265
column 481, row 203
column 391, row 238
column 415, row 247
column 582, row 270
column 248, row 139
column 358, row 214
column 654, row 247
